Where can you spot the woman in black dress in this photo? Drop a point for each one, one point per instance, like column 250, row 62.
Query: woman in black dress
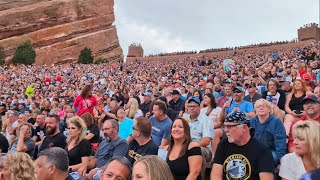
column 78, row 148
column 184, row 156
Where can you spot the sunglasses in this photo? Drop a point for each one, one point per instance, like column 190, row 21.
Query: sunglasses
column 237, row 92
column 133, row 128
column 230, row 126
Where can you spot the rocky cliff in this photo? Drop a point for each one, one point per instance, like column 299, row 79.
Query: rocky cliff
column 60, row 29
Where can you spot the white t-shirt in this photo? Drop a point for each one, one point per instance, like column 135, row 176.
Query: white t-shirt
column 291, row 167
column 14, row 125
column 138, row 114
column 214, row 114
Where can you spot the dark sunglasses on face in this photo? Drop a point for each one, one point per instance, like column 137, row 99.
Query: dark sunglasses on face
column 237, row 92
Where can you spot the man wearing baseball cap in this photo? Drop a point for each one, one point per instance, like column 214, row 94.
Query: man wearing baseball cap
column 240, row 156
column 201, row 128
column 311, row 107
column 176, row 103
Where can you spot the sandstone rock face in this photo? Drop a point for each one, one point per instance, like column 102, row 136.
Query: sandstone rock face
column 60, row 29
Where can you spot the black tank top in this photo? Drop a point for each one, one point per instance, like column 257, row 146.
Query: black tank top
column 296, row 103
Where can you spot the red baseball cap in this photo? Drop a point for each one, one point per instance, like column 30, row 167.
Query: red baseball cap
column 306, row 77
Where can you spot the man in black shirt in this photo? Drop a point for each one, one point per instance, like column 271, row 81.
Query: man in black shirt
column 240, row 156
column 29, row 117
column 142, row 144
column 112, row 113
column 145, row 106
column 40, row 130
column 177, row 104
column 54, row 137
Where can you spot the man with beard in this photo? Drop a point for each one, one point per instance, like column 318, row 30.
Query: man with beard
column 311, row 107
column 54, row 138
column 240, row 156
column 112, row 146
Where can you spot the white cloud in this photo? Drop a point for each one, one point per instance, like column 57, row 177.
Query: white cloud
column 183, row 25
column 153, row 39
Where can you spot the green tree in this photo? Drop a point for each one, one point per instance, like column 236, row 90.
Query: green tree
column 85, row 56
column 24, row 54
column 2, row 56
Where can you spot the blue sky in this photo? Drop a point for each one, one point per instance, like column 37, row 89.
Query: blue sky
column 183, row 25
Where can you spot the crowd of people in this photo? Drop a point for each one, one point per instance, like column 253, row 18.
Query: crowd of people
column 173, row 53
column 247, row 46
column 164, row 120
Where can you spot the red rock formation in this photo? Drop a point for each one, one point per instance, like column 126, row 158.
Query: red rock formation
column 60, row 29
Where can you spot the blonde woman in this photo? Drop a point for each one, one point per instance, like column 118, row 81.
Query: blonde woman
column 78, row 147
column 151, row 167
column 269, row 129
column 307, row 153
column 132, row 109
column 17, row 166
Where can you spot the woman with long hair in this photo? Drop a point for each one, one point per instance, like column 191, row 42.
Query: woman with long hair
column 132, row 109
column 210, row 108
column 85, row 102
column 151, row 167
column 78, row 147
column 307, row 153
column 184, row 156
column 197, row 93
column 294, row 103
column 276, row 96
column 93, row 132
column 294, row 75
column 17, row 166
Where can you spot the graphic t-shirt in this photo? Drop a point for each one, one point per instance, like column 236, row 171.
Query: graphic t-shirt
column 243, row 162
column 40, row 132
column 85, row 105
column 59, row 140
column 160, row 129
column 136, row 151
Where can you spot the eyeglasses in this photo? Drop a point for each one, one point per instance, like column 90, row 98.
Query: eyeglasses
column 230, row 126
column 193, row 106
column 261, row 106
column 107, row 129
column 133, row 128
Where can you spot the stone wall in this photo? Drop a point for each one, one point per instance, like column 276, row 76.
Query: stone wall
column 309, row 33
column 220, row 53
column 135, row 51
column 60, row 29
